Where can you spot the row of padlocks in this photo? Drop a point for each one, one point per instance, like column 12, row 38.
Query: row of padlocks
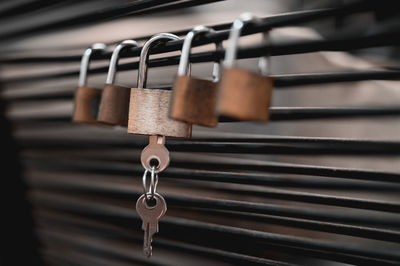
column 236, row 93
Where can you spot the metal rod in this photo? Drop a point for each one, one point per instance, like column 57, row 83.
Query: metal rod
column 277, row 114
column 242, row 178
column 226, row 165
column 359, row 148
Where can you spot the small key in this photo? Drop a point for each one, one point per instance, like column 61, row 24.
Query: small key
column 155, row 151
column 150, row 216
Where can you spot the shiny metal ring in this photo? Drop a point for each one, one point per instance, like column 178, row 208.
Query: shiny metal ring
column 153, row 182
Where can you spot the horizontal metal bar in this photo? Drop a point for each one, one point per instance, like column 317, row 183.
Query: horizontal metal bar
column 77, row 134
column 276, row 114
column 261, row 138
column 326, row 227
column 298, row 113
column 287, row 81
column 360, row 148
column 224, row 138
column 320, row 199
column 289, row 168
column 212, row 167
column 251, row 179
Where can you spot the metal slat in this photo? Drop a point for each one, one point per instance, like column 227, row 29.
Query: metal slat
column 360, row 148
column 228, row 164
column 276, row 114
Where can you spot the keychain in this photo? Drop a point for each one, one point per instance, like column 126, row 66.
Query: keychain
column 151, row 207
column 148, row 115
column 194, row 99
column 87, row 99
column 114, row 105
column 242, row 94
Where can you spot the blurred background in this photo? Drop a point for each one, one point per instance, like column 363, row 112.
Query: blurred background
column 316, row 185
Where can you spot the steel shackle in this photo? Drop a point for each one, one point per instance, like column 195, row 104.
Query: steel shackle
column 97, row 47
column 183, row 68
column 144, row 55
column 115, row 57
column 233, row 42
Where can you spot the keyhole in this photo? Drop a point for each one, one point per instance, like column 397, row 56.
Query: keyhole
column 151, row 203
column 154, row 162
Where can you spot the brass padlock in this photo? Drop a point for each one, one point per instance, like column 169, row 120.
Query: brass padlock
column 243, row 95
column 148, row 108
column 114, row 105
column 87, row 99
column 194, row 99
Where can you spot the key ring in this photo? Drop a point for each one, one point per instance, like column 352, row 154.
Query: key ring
column 153, row 182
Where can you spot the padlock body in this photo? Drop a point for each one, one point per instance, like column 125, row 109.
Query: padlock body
column 87, row 100
column 194, row 101
column 244, row 95
column 114, row 105
column 148, row 114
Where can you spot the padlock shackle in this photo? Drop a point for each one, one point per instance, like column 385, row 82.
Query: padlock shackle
column 86, row 60
column 112, row 70
column 233, row 40
column 264, row 63
column 233, row 43
column 216, row 74
column 184, row 67
column 144, row 55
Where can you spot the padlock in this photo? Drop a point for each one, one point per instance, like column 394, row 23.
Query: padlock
column 114, row 105
column 194, row 99
column 87, row 99
column 243, row 95
column 148, row 108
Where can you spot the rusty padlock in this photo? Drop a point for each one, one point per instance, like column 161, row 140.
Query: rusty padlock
column 194, row 99
column 114, row 105
column 243, row 95
column 87, row 99
column 148, row 108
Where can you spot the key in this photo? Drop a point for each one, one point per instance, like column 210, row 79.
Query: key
column 155, row 153
column 150, row 216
